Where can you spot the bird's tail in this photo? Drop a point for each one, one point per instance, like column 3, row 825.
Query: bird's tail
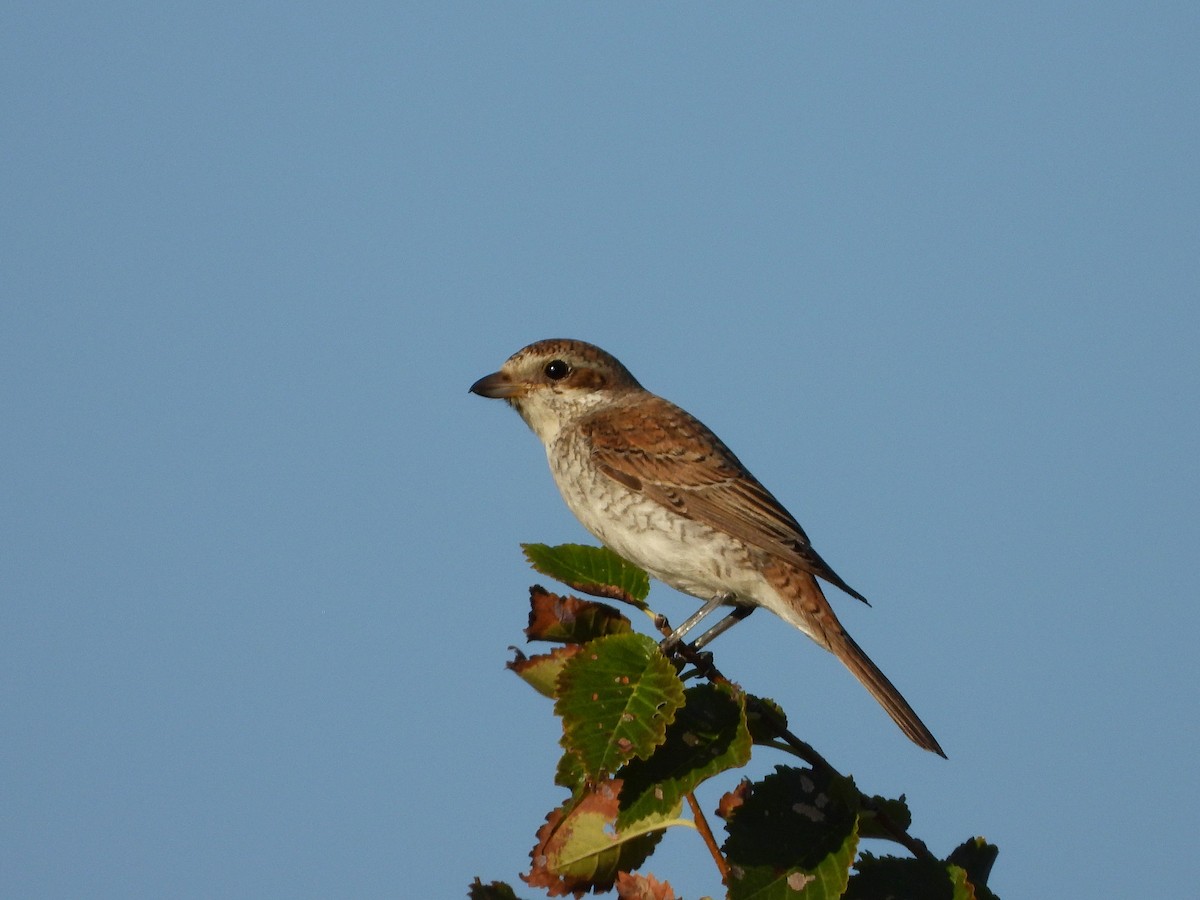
column 804, row 605
column 854, row 659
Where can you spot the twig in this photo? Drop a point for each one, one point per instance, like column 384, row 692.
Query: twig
column 703, row 661
column 915, row 846
column 709, row 840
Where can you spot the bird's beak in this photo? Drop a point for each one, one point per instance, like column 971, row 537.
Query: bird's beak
column 497, row 386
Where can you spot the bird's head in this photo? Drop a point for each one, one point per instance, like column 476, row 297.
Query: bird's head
column 554, row 382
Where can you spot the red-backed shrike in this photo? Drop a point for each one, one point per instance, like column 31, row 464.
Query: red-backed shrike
column 660, row 489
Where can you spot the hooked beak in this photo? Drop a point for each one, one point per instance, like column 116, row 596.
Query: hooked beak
column 497, row 386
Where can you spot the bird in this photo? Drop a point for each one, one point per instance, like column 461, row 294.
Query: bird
column 661, row 490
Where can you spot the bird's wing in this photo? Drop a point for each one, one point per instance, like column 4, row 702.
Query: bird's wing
column 657, row 449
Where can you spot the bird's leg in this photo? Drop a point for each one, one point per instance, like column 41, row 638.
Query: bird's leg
column 736, row 615
column 677, row 635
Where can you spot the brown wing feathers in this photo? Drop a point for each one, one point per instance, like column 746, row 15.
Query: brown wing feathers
column 699, row 478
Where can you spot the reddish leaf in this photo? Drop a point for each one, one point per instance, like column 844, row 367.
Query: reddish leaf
column 569, row 619
column 579, row 848
column 631, row 886
column 730, row 802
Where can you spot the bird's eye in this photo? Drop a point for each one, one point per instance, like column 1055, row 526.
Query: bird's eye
column 556, row 370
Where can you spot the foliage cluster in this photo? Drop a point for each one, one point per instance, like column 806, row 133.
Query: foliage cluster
column 641, row 730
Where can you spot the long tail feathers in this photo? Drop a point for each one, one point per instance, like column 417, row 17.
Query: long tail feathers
column 803, row 604
column 853, row 657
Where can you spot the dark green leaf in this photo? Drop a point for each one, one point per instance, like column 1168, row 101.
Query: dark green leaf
column 765, row 718
column 825, row 881
column 896, row 811
column 888, row 877
column 976, row 857
column 496, row 890
column 708, row 736
column 962, row 887
column 794, row 835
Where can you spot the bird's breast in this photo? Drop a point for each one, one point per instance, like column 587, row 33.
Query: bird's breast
column 688, row 555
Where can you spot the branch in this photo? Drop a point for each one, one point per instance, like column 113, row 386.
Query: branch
column 709, row 840
column 705, row 668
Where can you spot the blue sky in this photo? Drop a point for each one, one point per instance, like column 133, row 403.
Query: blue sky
column 930, row 269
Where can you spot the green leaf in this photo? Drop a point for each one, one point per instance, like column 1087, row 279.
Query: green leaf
column 873, row 807
column 570, row 620
column 569, row 774
column 593, row 570
column 794, row 835
column 765, row 718
column 708, row 736
column 825, row 881
column 496, row 890
column 976, row 856
column 881, row 878
column 962, row 887
column 579, row 848
column 616, row 699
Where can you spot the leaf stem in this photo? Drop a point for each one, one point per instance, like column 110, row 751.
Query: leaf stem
column 709, row 840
